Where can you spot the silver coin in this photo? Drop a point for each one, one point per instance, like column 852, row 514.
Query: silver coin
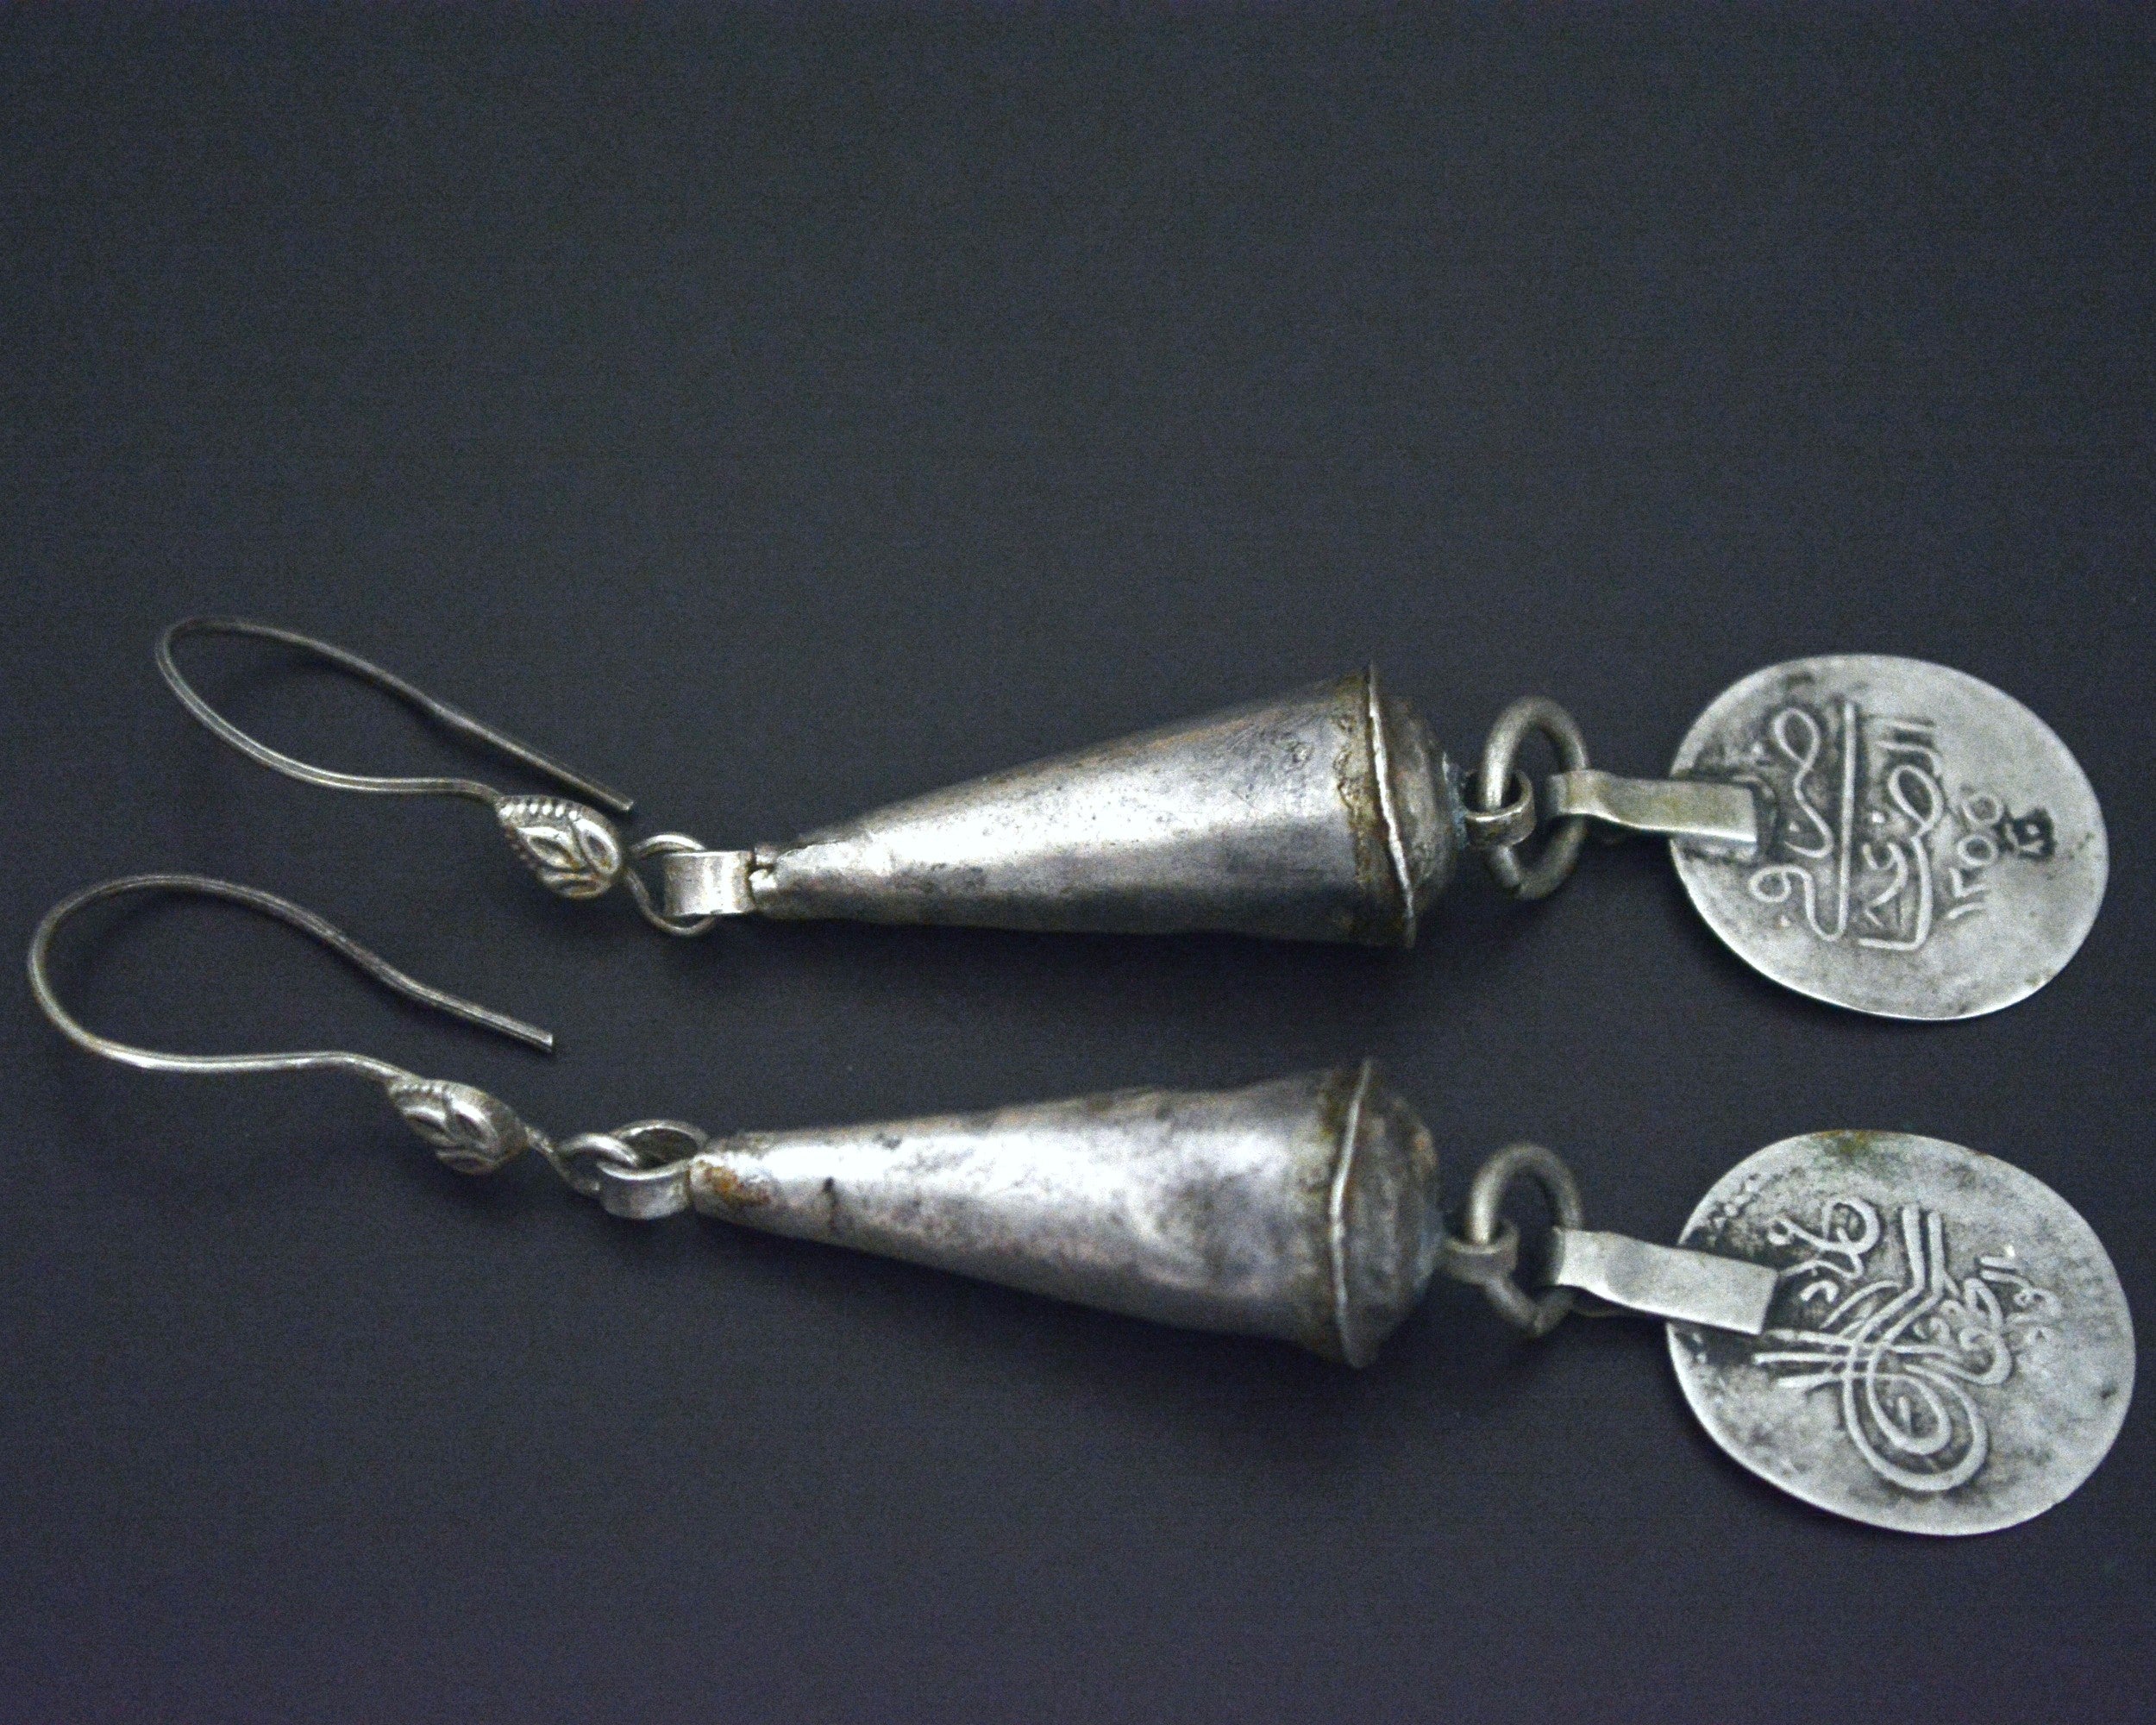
column 1931, row 848
column 1948, row 1349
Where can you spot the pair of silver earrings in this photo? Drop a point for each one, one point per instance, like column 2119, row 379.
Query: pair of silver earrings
column 1896, row 1329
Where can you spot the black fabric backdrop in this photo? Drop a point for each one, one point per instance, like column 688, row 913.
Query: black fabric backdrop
column 780, row 415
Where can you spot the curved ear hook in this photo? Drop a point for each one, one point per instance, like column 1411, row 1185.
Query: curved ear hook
column 441, row 712
column 574, row 851
column 470, row 1131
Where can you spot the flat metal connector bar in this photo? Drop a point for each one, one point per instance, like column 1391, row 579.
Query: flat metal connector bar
column 1701, row 811
column 1662, row 1281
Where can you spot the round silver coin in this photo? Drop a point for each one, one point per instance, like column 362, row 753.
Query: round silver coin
column 1930, row 849
column 1948, row 1349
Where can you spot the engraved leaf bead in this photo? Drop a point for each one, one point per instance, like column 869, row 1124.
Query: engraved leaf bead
column 470, row 1131
column 574, row 850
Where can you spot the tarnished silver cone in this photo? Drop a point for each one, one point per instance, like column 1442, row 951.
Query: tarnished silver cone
column 1305, row 1208
column 1325, row 815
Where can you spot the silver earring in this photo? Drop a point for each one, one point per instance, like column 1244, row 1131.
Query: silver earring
column 1891, row 1327
column 1878, row 833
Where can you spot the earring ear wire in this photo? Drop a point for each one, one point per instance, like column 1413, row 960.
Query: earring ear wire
column 470, row 1130
column 573, row 848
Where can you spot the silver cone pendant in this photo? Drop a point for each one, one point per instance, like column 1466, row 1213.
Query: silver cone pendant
column 1305, row 1208
column 1325, row 815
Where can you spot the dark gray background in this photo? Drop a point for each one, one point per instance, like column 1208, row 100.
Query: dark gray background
column 780, row 415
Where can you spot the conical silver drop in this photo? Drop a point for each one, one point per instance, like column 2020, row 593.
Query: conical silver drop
column 1324, row 815
column 1305, row 1208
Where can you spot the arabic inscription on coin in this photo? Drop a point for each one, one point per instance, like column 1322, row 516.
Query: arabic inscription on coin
column 1948, row 1349
column 1930, row 849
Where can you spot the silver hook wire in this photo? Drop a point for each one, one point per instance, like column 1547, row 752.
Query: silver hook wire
column 283, row 911
column 441, row 712
column 574, row 851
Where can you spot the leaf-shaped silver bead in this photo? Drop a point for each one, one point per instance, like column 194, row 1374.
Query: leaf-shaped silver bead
column 470, row 1131
column 574, row 850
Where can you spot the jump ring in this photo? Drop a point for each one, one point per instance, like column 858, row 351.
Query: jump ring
column 570, row 1159
column 1499, row 756
column 1483, row 1229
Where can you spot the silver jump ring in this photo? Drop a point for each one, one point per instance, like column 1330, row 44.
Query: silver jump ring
column 577, row 1160
column 1499, row 756
column 1487, row 1234
column 638, row 1148
column 662, row 844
